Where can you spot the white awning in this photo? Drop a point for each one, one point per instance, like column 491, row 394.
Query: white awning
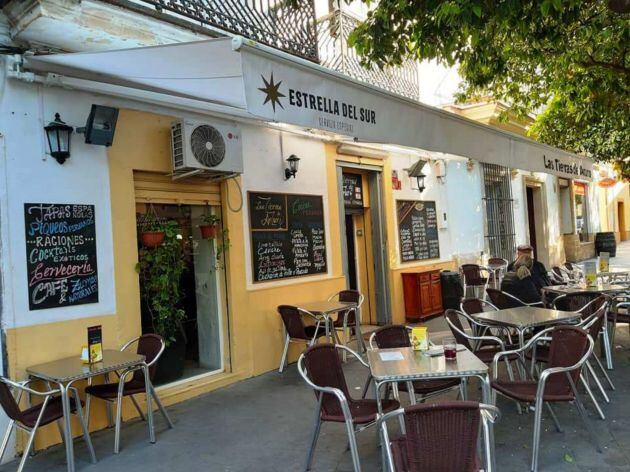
column 274, row 86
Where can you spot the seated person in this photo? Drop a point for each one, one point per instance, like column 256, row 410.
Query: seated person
column 520, row 283
column 538, row 270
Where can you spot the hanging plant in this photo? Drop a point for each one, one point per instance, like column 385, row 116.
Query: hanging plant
column 151, row 228
column 209, row 225
column 161, row 270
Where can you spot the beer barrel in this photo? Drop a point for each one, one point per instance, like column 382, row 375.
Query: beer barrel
column 606, row 242
column 452, row 289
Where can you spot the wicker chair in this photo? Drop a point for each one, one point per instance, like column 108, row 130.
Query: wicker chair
column 475, row 276
column 321, row 368
column 349, row 321
column 503, row 300
column 395, row 336
column 439, row 437
column 497, row 266
column 570, row 348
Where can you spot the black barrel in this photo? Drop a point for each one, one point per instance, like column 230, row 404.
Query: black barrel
column 606, row 242
column 452, row 289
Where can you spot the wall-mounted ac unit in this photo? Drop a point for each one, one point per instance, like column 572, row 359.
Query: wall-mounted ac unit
column 209, row 149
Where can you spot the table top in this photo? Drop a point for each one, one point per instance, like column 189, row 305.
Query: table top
column 73, row 368
column 327, row 307
column 407, row 364
column 573, row 288
column 527, row 316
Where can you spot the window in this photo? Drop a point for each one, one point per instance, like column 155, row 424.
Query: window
column 580, row 200
column 498, row 211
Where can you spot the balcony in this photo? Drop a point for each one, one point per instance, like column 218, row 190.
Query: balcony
column 334, row 53
column 270, row 22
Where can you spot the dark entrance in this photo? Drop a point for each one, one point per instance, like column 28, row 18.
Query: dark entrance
column 352, row 253
column 531, row 218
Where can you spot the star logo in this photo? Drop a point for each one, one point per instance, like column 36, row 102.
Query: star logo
column 272, row 92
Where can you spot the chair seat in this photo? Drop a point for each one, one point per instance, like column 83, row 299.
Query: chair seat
column 399, row 455
column 310, row 331
column 109, row 391
column 621, row 317
column 542, row 353
column 486, row 355
column 53, row 412
column 363, row 411
column 424, row 387
column 525, row 391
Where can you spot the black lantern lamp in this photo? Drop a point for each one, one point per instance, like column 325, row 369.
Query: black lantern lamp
column 416, row 171
column 58, row 134
column 290, row 171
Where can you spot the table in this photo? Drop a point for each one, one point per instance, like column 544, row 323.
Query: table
column 416, row 365
column 527, row 317
column 329, row 307
column 497, row 273
column 64, row 372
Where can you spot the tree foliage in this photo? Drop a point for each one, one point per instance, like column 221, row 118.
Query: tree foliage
column 566, row 60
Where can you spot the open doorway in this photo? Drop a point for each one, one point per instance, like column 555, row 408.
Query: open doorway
column 196, row 346
column 531, row 218
column 621, row 218
column 536, row 221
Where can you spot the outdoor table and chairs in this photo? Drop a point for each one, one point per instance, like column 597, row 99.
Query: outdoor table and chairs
column 497, row 267
column 65, row 372
column 327, row 308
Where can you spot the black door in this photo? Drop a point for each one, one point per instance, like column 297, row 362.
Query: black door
column 531, row 218
column 352, row 257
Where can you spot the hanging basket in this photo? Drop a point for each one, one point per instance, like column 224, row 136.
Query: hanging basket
column 208, row 231
column 152, row 239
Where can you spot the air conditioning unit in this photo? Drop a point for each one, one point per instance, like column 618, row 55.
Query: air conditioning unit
column 211, row 149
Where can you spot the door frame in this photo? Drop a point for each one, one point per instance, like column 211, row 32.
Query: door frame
column 374, row 175
column 542, row 229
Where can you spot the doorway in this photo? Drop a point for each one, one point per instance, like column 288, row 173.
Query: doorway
column 536, row 221
column 352, row 253
column 531, row 219
column 621, row 218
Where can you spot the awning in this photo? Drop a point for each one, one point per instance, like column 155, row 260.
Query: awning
column 274, row 86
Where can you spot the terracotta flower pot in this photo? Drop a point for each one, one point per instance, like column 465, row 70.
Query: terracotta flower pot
column 208, row 231
column 152, row 239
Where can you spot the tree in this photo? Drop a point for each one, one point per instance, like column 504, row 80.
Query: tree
column 566, row 60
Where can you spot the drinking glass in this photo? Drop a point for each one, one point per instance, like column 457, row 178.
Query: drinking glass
column 450, row 348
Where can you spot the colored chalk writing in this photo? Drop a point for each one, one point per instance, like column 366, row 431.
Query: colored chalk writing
column 417, row 230
column 60, row 255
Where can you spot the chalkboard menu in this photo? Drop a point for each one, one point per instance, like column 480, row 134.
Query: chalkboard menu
column 352, row 190
column 417, row 230
column 60, row 255
column 287, row 234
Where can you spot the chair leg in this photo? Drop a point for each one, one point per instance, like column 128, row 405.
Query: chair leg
column 536, row 445
column 138, row 409
column 283, row 360
column 108, row 406
column 316, row 429
column 166, row 416
column 601, row 367
column 580, row 408
column 119, row 398
column 590, row 369
column 84, row 427
column 554, row 417
column 590, row 394
column 5, row 439
column 27, row 449
column 354, row 450
column 463, row 389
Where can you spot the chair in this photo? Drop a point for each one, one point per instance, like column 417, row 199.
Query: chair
column 475, row 276
column 321, row 368
column 620, row 310
column 395, row 336
column 151, row 347
column 297, row 331
column 349, row 321
column 570, row 348
column 614, row 278
column 30, row 419
column 497, row 266
column 557, row 276
column 503, row 300
column 439, row 437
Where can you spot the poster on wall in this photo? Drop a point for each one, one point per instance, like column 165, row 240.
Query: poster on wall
column 60, row 255
column 417, row 230
column 287, row 235
column 352, row 190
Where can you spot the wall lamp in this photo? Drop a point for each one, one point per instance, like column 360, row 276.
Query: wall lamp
column 416, row 171
column 58, row 135
column 290, row 171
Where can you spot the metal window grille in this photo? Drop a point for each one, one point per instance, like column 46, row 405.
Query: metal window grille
column 498, row 205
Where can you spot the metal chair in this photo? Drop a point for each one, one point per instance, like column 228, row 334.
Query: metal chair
column 497, row 266
column 321, row 368
column 614, row 278
column 349, row 321
column 439, row 437
column 49, row 411
column 620, row 311
column 151, row 346
column 473, row 306
column 503, row 300
column 558, row 276
column 475, row 276
column 570, row 348
column 297, row 331
column 395, row 336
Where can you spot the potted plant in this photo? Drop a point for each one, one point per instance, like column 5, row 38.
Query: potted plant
column 151, row 231
column 209, row 225
column 160, row 270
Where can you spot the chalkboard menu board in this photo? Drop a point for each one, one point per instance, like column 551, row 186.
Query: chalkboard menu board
column 352, row 190
column 287, row 234
column 60, row 255
column 417, row 230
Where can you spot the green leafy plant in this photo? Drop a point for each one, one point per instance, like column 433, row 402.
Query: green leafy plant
column 151, row 223
column 161, row 270
column 223, row 244
column 210, row 219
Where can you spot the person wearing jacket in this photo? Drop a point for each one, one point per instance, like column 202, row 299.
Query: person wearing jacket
column 520, row 283
column 538, row 270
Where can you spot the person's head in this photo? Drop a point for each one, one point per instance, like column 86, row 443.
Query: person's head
column 525, row 250
column 523, row 266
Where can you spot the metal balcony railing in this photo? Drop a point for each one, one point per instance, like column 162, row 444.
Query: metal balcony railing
column 333, row 31
column 270, row 22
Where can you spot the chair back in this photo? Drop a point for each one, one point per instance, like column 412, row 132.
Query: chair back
column 323, row 366
column 472, row 274
column 575, row 301
column 7, row 400
column 503, row 300
column 472, row 306
column 568, row 346
column 497, row 261
column 440, row 437
column 293, row 323
column 392, row 336
column 151, row 347
column 593, row 316
column 350, row 296
column 557, row 275
column 452, row 318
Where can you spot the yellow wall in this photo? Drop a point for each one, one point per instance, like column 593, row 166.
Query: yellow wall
column 609, row 199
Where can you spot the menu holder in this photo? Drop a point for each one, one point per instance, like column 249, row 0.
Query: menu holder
column 590, row 273
column 95, row 344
